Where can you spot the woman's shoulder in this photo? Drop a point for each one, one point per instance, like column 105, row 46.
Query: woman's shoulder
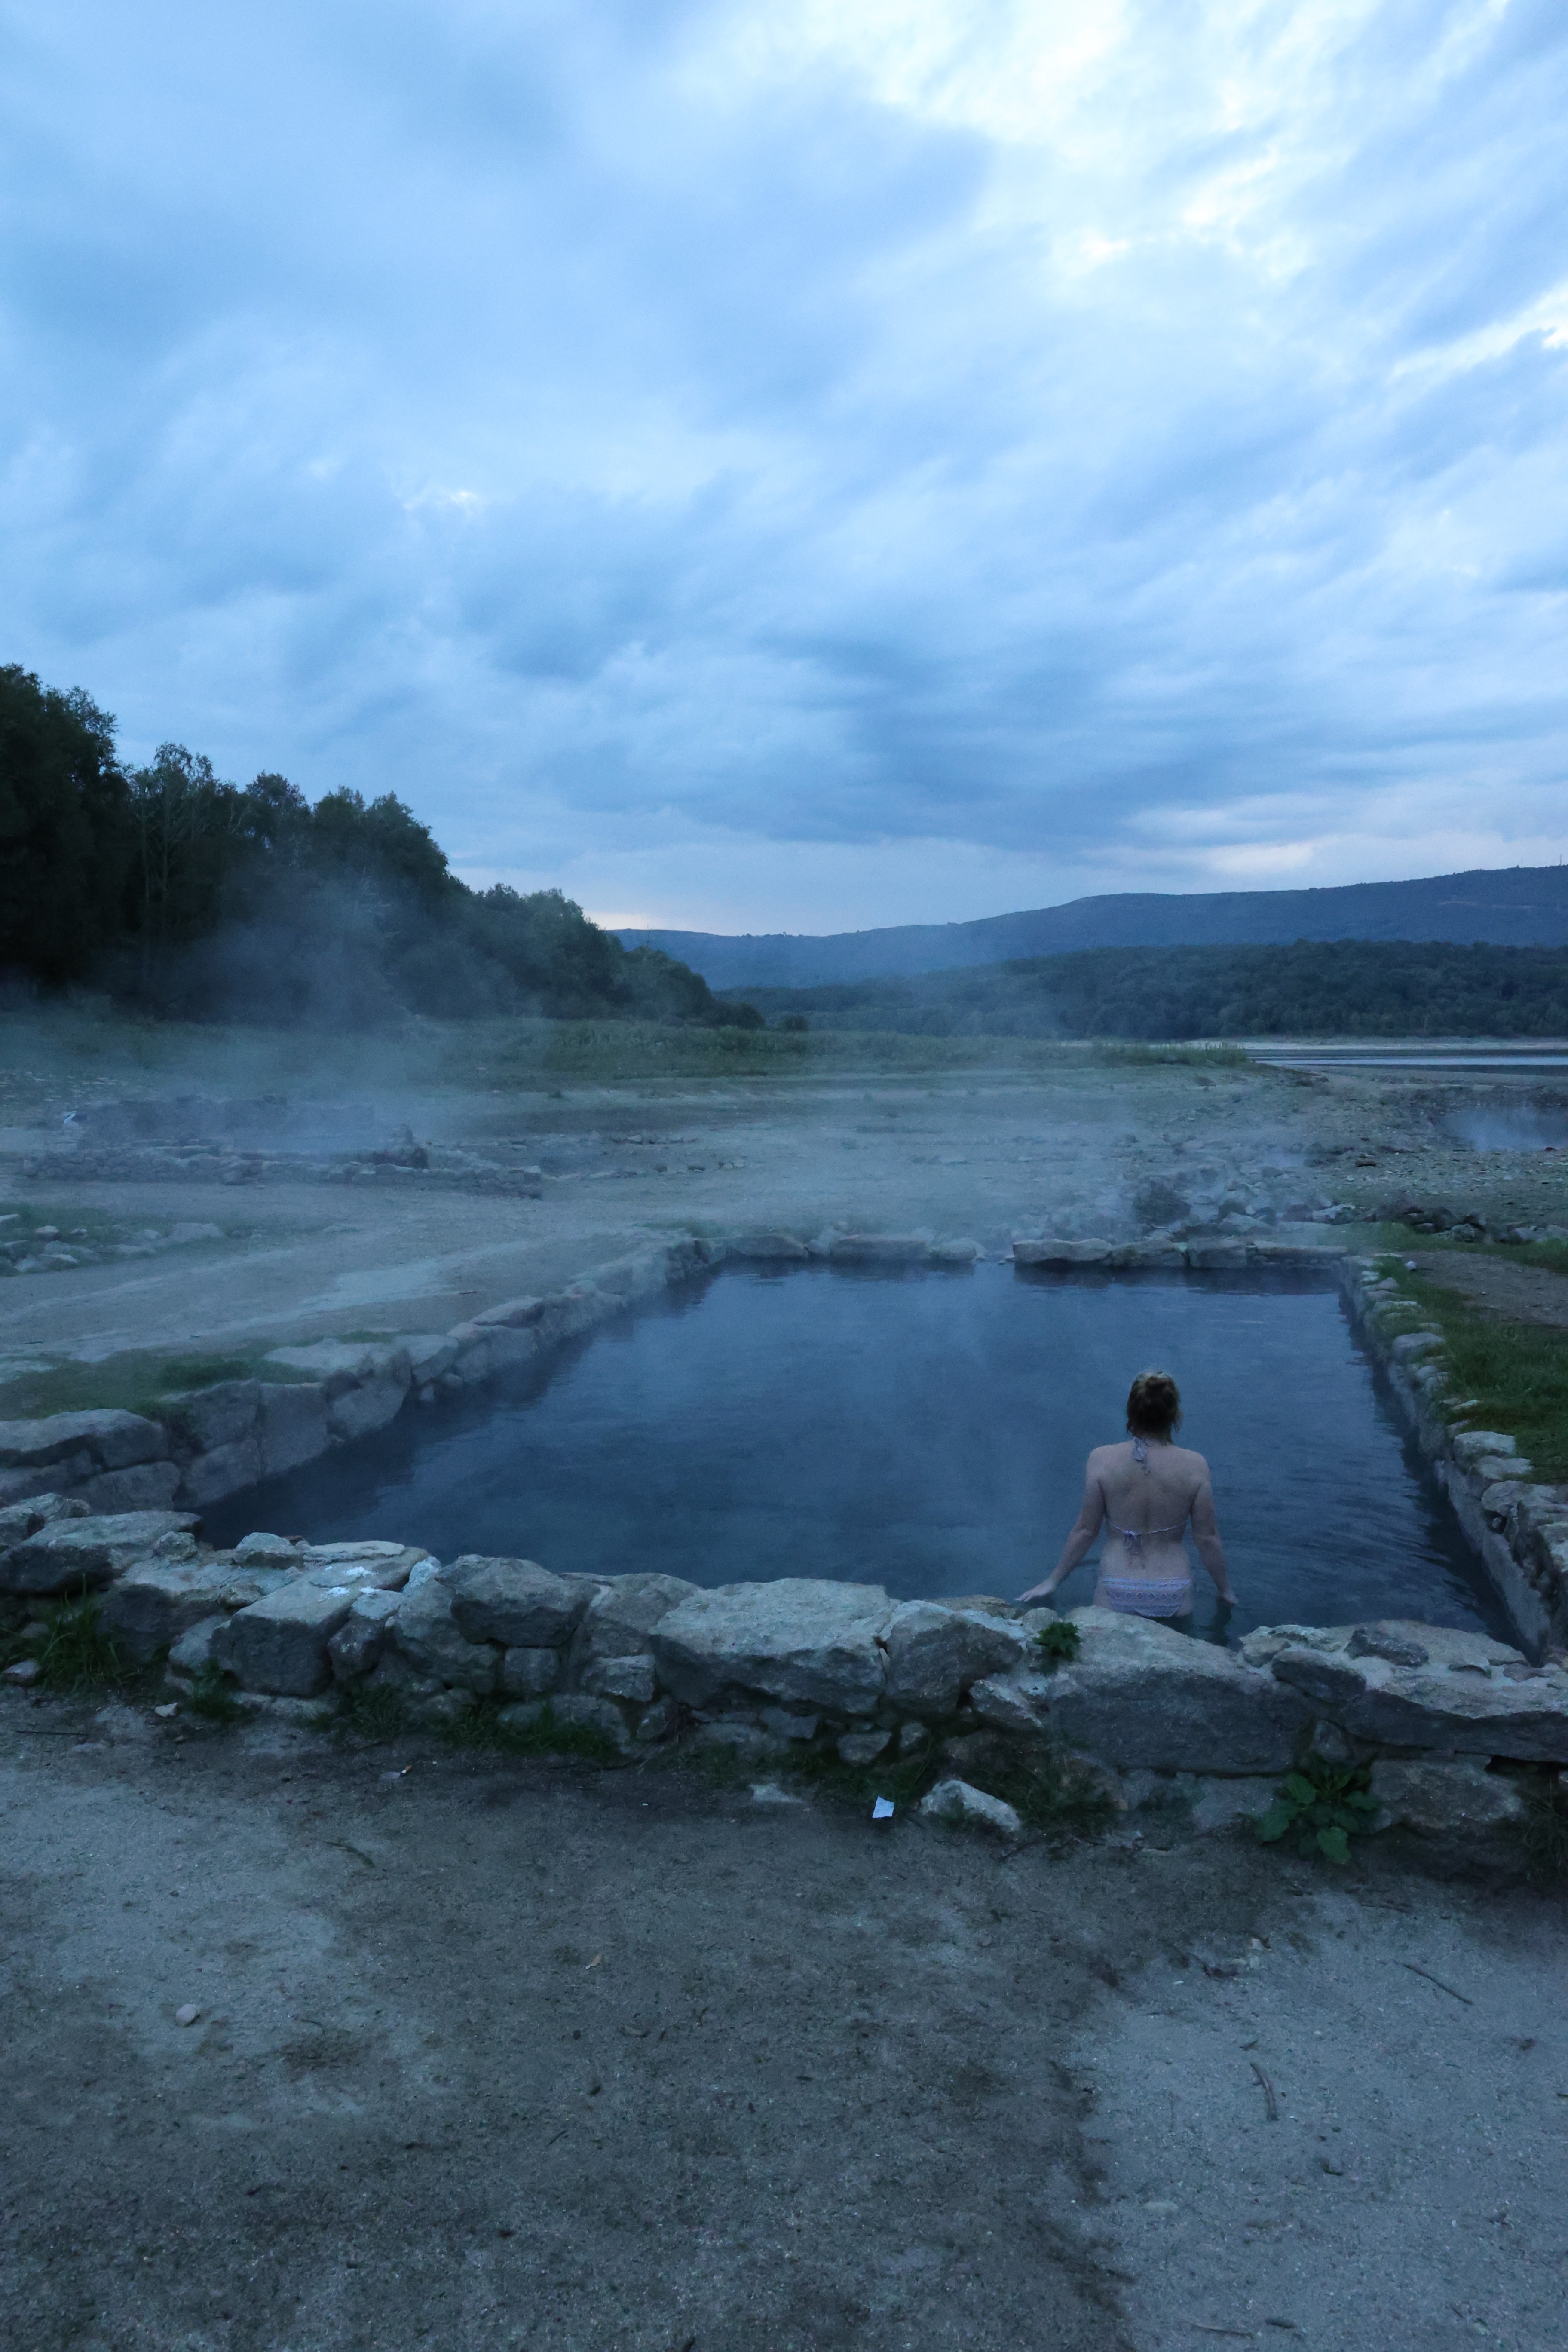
column 1191, row 1460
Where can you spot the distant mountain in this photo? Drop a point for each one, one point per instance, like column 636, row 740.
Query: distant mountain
column 1518, row 906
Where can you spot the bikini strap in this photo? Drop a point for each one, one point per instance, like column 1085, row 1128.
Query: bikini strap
column 1141, row 1453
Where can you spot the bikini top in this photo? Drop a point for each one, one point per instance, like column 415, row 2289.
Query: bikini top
column 1136, row 1538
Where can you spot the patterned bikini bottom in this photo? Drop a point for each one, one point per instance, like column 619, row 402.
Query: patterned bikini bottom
column 1145, row 1596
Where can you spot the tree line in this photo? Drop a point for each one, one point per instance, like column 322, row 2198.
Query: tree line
column 1340, row 988
column 195, row 897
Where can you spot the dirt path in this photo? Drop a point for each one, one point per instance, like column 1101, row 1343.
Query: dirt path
column 502, row 2056
column 1514, row 1292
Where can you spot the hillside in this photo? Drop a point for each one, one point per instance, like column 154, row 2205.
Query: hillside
column 1516, row 906
column 1348, row 988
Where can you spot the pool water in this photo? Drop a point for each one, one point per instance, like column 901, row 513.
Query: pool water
column 920, row 1431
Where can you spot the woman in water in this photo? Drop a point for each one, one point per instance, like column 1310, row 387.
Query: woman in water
column 1143, row 1492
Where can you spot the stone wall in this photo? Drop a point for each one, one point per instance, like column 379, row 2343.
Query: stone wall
column 1517, row 1524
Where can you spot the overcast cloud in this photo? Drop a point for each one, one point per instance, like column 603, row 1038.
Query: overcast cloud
column 797, row 466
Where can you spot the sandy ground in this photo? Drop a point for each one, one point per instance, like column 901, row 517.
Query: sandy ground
column 505, row 2054
column 496, row 2054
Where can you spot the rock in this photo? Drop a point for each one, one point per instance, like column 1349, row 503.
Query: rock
column 193, row 1650
column 798, row 1639
column 629, row 1678
column 513, row 1601
column 735, row 1738
column 149, row 1486
column 955, row 1802
column 512, row 1314
column 430, row 1353
column 440, row 1707
column 19, row 1520
column 880, row 1249
column 767, row 1248
column 1061, row 1253
column 1470, row 1445
column 1469, row 1694
column 1215, row 1255
column 72, row 1553
column 960, row 1252
column 425, row 1632
column 365, row 1386
column 530, row 1674
column 262, row 1550
column 386, row 1567
column 293, row 1425
column 591, row 1714
column 25, row 1672
column 203, row 1419
column 935, row 1654
column 658, row 1722
column 768, row 1792
column 621, row 1616
column 115, row 1440
column 1458, row 1801
column 1140, row 1694
column 356, row 1647
column 914, row 1739
column 863, row 1746
column 227, row 1470
column 188, row 2014
column 157, row 1600
column 280, row 1645
column 17, row 1486
column 784, row 1723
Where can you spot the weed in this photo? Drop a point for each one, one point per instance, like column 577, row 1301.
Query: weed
column 904, row 1779
column 1544, row 1831
column 212, row 1696
column 76, row 1654
column 480, row 1728
column 371, row 1711
column 1048, row 1792
column 1321, row 1808
column 1058, row 1641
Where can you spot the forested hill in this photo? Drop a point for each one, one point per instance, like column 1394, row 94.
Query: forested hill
column 204, row 899
column 1346, row 988
column 1517, row 906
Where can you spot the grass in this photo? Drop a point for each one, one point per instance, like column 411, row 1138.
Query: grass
column 1050, row 1794
column 1544, row 1832
column 1517, row 1372
column 76, row 1655
column 479, row 1727
column 1202, row 1057
column 211, row 1697
column 132, row 1382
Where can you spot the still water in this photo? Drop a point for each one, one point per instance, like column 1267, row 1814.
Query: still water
column 925, row 1431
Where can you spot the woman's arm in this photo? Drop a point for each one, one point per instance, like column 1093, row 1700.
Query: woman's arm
column 1084, row 1529
column 1205, row 1535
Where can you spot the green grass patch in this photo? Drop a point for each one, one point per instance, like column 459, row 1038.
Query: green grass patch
column 1200, row 1057
column 373, row 1711
column 1058, row 1641
column 76, row 1655
column 1050, row 1794
column 479, row 1727
column 1517, row 1372
column 211, row 1696
column 904, row 1779
column 1544, row 1832
column 132, row 1382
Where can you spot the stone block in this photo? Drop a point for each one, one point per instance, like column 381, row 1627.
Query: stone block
column 356, row 1647
column 70, row 1554
column 960, row 1252
column 935, row 1654
column 862, row 1747
column 622, row 1615
column 631, row 1678
column 355, row 1412
column 19, row 1486
column 293, row 1425
column 227, row 1470
column 512, row 1314
column 513, row 1601
column 203, row 1419
column 1475, row 1444
column 530, row 1674
column 427, row 1633
column 1457, row 1800
column 1141, row 1695
column 766, row 1249
column 19, row 1520
column 1061, row 1253
column 154, row 1604
column 113, row 1441
column 430, row 1353
column 880, row 1249
column 193, row 1652
column 798, row 1639
column 1215, row 1257
column 1462, row 1693
column 149, row 1486
column 962, row 1807
column 386, row 1566
column 339, row 1365
column 280, row 1645
column 263, row 1550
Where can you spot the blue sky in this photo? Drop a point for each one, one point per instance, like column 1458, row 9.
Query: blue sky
column 804, row 466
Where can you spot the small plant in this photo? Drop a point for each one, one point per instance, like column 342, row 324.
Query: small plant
column 480, row 1727
column 1321, row 1808
column 76, row 1654
column 1544, row 1831
column 1059, row 1641
column 371, row 1711
column 1050, row 1792
column 212, row 1696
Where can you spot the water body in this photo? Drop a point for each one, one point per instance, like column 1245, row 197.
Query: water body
column 923, row 1431
column 1510, row 1126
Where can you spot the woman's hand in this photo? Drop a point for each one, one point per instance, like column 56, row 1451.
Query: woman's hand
column 1036, row 1593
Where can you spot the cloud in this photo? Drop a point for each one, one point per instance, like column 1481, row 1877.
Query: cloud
column 801, row 467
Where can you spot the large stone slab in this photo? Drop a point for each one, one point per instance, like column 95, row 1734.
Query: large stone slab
column 154, row 1602
column 145, row 1487
column 227, row 1470
column 280, row 1645
column 293, row 1425
column 1061, row 1253
column 619, row 1620
column 70, row 1554
column 19, row 1520
column 880, row 1249
column 513, row 1601
column 373, row 1563
column 115, row 1440
column 220, row 1415
column 1141, row 1695
column 1404, row 1685
column 795, row 1639
column 356, row 1647
column 935, row 1654
column 426, row 1634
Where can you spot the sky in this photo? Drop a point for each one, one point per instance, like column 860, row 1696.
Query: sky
column 796, row 467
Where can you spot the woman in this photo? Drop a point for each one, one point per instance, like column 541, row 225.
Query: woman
column 1145, row 1492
